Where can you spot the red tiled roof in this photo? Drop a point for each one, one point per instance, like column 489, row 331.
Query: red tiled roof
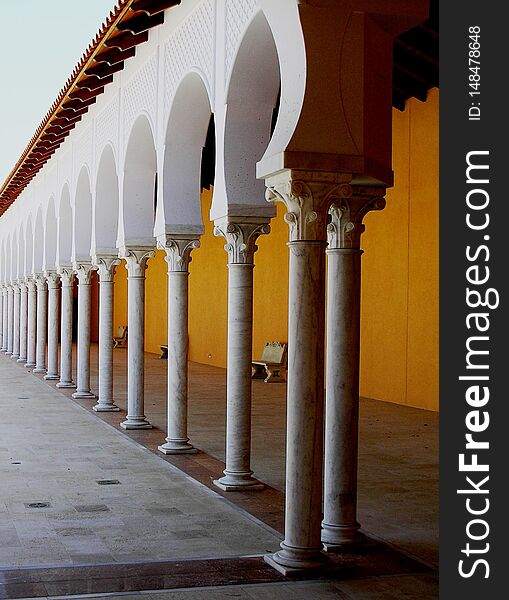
column 126, row 26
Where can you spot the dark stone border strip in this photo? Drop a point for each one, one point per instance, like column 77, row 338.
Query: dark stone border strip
column 369, row 559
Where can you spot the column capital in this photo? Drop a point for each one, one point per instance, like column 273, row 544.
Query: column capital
column 40, row 281
column 53, row 279
column 66, row 276
column 106, row 265
column 345, row 228
column 15, row 286
column 83, row 272
column 308, row 196
column 136, row 258
column 241, row 238
column 178, row 248
column 30, row 283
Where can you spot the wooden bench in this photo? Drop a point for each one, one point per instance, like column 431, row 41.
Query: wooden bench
column 120, row 340
column 272, row 365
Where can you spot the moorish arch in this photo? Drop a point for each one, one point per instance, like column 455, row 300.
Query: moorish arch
column 65, row 226
column 82, row 224
column 106, row 204
column 50, row 237
column 138, row 187
column 29, row 247
column 186, row 134
column 38, row 242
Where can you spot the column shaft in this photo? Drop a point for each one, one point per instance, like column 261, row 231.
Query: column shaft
column 10, row 316
column 136, row 264
column 342, row 396
column 23, row 323
column 66, row 312
column 15, row 322
column 42, row 325
column 31, row 324
column 53, row 318
column 2, row 324
column 106, row 267
column 83, row 344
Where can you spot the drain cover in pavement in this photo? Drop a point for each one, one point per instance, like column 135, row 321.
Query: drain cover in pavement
column 37, row 505
column 108, row 482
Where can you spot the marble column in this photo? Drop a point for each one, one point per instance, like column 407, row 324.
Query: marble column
column 23, row 322
column 66, row 312
column 52, row 279
column 307, row 196
column 340, row 524
column 2, row 325
column 31, row 322
column 240, row 246
column 10, row 316
column 136, row 263
column 106, row 266
column 84, row 275
column 42, row 323
column 15, row 321
column 178, row 256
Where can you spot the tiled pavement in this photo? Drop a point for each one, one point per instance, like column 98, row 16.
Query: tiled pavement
column 158, row 513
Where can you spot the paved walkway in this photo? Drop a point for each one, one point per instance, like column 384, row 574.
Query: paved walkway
column 52, row 451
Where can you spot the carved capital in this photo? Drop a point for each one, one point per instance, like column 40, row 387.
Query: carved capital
column 136, row 260
column 178, row 250
column 40, row 282
column 346, row 227
column 53, row 279
column 241, row 239
column 308, row 196
column 84, row 272
column 30, row 283
column 66, row 276
column 106, row 265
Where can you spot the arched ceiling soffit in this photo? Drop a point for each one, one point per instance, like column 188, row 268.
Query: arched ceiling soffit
column 415, row 71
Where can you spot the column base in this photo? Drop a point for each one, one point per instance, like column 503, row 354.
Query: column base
column 39, row 370
column 135, row 423
column 51, row 376
column 29, row 365
column 83, row 395
column 7, row 353
column 22, row 360
column 238, row 482
column 15, row 356
column 177, row 447
column 66, row 385
column 295, row 561
column 106, row 408
column 336, row 536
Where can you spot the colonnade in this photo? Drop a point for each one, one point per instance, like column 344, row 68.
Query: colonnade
column 324, row 213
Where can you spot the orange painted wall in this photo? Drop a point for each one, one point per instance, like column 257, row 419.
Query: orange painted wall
column 399, row 331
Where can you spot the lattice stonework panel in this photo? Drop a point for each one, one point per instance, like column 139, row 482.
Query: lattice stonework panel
column 190, row 45
column 237, row 17
column 140, row 94
column 106, row 127
column 83, row 150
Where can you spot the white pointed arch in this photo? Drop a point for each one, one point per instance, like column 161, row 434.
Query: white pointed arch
column 138, row 187
column 29, row 247
column 21, row 250
column 50, row 236
column 106, row 204
column 65, row 226
column 251, row 101
column 82, row 218
column 186, row 132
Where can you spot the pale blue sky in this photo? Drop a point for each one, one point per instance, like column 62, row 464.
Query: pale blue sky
column 40, row 43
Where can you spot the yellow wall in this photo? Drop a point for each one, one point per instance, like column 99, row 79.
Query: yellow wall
column 399, row 333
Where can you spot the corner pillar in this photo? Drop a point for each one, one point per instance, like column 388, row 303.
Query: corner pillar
column 340, row 526
column 308, row 196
